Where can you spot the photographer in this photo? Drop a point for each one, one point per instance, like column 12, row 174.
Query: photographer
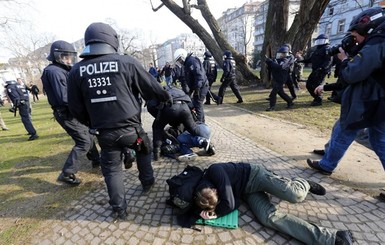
column 363, row 101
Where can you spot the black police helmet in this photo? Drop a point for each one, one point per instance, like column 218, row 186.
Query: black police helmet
column 60, row 46
column 227, row 54
column 322, row 39
column 208, row 54
column 367, row 20
column 100, row 38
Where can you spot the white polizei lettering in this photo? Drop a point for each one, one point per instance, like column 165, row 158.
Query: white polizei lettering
column 99, row 68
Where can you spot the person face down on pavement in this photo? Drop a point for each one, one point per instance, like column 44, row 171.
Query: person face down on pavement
column 224, row 185
column 105, row 91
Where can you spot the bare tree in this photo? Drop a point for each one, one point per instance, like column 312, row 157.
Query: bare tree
column 216, row 44
column 299, row 33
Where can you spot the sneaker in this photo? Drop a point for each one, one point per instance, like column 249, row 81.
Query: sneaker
column 319, row 152
column 315, row 165
column 188, row 157
column 316, row 188
column 205, row 144
column 344, row 238
column 211, row 150
column 271, row 108
column 69, row 179
column 33, row 137
column 5, row 129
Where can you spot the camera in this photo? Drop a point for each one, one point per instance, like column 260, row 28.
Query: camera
column 347, row 44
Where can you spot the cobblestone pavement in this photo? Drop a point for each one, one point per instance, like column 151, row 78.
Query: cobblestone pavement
column 88, row 220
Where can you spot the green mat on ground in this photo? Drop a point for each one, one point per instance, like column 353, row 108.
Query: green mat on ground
column 228, row 221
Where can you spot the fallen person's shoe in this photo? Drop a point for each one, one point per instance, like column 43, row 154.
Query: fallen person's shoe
column 69, row 179
column 315, row 165
column 344, row 238
column 319, row 152
column 316, row 188
column 188, row 157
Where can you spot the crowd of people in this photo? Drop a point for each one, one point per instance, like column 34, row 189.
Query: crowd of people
column 107, row 104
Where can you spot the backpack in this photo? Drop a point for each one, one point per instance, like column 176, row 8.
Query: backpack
column 182, row 188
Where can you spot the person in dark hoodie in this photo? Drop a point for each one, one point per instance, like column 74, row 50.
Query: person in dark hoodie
column 224, row 185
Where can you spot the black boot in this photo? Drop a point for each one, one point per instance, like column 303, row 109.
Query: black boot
column 344, row 238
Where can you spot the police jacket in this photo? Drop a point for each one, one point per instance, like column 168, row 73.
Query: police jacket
column 228, row 68
column 319, row 59
column 195, row 73
column 104, row 91
column 363, row 101
column 55, row 79
column 230, row 180
column 211, row 68
column 14, row 92
column 279, row 69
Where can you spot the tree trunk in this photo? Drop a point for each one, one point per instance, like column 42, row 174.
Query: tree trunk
column 215, row 46
column 305, row 22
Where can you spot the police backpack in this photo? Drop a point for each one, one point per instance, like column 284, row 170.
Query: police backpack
column 182, row 188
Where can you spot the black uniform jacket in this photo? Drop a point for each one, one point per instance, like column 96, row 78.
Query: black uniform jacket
column 105, row 91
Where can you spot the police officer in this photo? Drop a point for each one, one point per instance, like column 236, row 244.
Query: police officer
column 196, row 79
column 321, row 65
column 178, row 74
column 103, row 92
column 20, row 102
column 228, row 77
column 280, row 69
column 211, row 73
column 179, row 112
column 55, row 79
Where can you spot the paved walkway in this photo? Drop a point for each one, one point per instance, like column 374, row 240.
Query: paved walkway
column 88, row 221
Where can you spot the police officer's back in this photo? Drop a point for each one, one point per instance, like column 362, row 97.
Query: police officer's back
column 20, row 102
column 229, row 77
column 104, row 93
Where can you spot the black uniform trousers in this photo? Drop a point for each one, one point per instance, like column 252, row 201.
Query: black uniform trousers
column 208, row 96
column 84, row 141
column 233, row 85
column 315, row 79
column 113, row 143
column 24, row 112
column 278, row 89
column 197, row 101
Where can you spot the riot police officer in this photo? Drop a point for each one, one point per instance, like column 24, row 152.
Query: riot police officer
column 228, row 77
column 321, row 65
column 211, row 73
column 179, row 112
column 20, row 102
column 196, row 79
column 280, row 69
column 104, row 92
column 55, row 79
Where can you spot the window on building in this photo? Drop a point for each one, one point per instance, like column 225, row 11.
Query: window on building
column 341, row 26
column 328, row 29
column 331, row 10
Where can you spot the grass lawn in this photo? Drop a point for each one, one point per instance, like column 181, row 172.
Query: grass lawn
column 29, row 192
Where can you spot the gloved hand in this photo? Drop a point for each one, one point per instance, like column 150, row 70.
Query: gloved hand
column 222, row 79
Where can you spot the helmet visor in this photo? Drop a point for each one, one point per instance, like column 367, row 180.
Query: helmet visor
column 280, row 55
column 321, row 41
column 66, row 58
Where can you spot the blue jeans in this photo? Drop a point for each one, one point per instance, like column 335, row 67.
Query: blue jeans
column 187, row 141
column 341, row 139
